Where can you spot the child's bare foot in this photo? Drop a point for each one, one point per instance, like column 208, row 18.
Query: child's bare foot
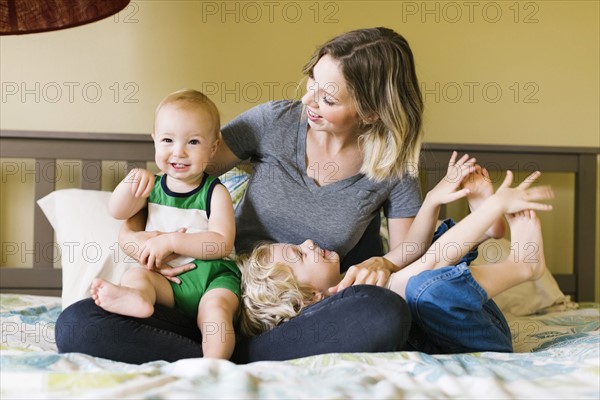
column 526, row 243
column 120, row 299
column 480, row 188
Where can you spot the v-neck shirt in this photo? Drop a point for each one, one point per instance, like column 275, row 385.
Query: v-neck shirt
column 283, row 204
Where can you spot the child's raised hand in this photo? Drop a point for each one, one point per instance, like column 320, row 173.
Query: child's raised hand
column 142, row 182
column 446, row 191
column 523, row 197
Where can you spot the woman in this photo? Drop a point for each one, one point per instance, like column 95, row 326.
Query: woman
column 323, row 169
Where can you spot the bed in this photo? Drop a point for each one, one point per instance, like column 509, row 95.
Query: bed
column 554, row 322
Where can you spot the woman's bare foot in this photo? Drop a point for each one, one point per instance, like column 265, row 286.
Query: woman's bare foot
column 527, row 247
column 480, row 188
column 120, row 299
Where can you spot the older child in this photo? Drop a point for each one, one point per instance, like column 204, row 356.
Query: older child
column 186, row 136
column 302, row 275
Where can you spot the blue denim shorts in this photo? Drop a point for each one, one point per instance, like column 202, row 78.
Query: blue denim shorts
column 452, row 313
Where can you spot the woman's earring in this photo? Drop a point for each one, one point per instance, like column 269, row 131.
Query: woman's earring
column 372, row 119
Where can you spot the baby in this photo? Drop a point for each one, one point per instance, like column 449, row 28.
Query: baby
column 196, row 211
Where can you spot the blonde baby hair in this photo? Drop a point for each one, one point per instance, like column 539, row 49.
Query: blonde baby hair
column 194, row 98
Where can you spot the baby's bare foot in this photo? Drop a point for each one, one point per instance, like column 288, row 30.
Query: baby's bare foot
column 527, row 247
column 120, row 299
column 480, row 188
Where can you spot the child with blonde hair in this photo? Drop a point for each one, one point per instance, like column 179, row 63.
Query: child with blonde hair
column 450, row 301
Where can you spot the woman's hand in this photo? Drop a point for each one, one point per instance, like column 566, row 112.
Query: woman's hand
column 171, row 273
column 162, row 266
column 374, row 271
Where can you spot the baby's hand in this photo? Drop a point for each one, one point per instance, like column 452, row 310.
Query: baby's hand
column 156, row 251
column 523, row 197
column 446, row 190
column 142, row 182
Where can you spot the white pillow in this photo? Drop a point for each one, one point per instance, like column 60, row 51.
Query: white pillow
column 87, row 237
column 528, row 297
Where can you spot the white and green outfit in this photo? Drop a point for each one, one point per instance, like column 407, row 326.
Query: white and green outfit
column 169, row 211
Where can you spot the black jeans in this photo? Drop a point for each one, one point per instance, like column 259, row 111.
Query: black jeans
column 359, row 319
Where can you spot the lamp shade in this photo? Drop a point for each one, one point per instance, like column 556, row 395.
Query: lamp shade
column 29, row 16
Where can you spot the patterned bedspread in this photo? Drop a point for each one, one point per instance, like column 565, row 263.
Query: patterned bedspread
column 557, row 356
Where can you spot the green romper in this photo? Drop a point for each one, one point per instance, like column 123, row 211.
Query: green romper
column 169, row 211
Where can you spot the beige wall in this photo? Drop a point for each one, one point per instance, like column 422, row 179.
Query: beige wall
column 502, row 72
column 530, row 76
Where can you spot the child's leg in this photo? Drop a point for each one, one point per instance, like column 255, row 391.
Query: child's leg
column 451, row 306
column 449, row 248
column 216, row 312
column 444, row 251
column 452, row 313
column 452, row 246
column 525, row 262
column 139, row 290
column 480, row 188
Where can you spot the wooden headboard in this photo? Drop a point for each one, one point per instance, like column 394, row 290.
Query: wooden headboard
column 93, row 148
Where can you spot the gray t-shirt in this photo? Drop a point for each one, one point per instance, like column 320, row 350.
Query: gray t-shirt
column 283, row 204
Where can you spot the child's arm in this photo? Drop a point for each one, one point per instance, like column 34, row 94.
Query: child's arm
column 216, row 312
column 131, row 195
column 462, row 237
column 409, row 240
column 418, row 238
column 215, row 243
column 506, row 200
column 132, row 239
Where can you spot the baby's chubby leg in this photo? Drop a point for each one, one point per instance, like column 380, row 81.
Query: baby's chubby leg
column 139, row 290
column 216, row 312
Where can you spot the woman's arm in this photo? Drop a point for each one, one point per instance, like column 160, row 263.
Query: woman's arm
column 222, row 161
column 242, row 136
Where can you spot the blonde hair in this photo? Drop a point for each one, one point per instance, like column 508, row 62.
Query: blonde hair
column 271, row 294
column 378, row 67
column 193, row 98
